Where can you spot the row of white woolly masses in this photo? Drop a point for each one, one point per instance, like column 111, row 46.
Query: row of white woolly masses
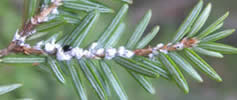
column 96, row 53
column 92, row 52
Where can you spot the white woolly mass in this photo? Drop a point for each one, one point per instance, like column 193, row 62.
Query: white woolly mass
column 18, row 37
column 169, row 44
column 164, row 51
column 151, row 55
column 62, row 56
column 110, row 53
column 158, row 46
column 88, row 54
column 33, row 21
column 55, row 11
column 22, row 39
column 129, row 54
column 39, row 45
column 27, row 45
column 93, row 46
column 100, row 51
column 46, row 19
column 77, row 52
column 125, row 53
column 121, row 51
column 51, row 47
column 179, row 46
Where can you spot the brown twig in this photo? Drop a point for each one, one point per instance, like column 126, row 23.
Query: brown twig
column 186, row 42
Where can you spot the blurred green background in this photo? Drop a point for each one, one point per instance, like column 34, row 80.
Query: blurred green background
column 41, row 85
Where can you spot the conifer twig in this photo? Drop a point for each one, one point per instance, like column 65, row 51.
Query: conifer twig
column 18, row 43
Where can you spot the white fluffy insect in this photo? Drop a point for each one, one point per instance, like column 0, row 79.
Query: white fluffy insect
column 158, row 46
column 93, row 46
column 55, row 11
column 18, row 37
column 125, row 53
column 77, row 52
column 151, row 56
column 110, row 53
column 51, row 47
column 46, row 19
column 27, row 45
column 164, row 51
column 88, row 54
column 33, row 21
column 179, row 46
column 100, row 51
column 63, row 56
